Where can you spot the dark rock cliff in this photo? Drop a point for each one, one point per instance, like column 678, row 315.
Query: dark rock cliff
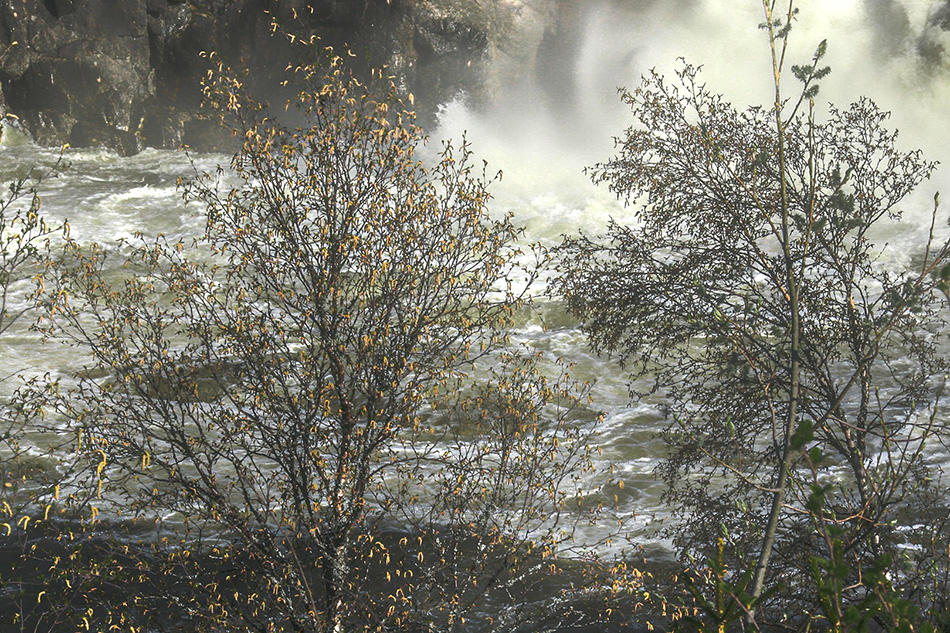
column 126, row 73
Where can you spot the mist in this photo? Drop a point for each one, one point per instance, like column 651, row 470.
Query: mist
column 543, row 127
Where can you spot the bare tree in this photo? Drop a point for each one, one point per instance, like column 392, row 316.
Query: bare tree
column 753, row 291
column 31, row 468
column 292, row 393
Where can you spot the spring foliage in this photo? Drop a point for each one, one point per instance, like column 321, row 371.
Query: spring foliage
column 290, row 395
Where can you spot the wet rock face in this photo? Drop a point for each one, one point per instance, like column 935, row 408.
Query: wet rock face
column 933, row 44
column 941, row 17
column 75, row 71
column 126, row 73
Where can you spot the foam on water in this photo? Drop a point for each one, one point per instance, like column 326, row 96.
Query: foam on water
column 542, row 143
column 876, row 48
column 542, row 137
column 12, row 133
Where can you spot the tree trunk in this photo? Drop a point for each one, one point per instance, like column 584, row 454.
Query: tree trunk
column 794, row 331
column 334, row 568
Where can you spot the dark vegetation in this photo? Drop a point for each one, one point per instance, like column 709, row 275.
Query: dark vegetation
column 280, row 428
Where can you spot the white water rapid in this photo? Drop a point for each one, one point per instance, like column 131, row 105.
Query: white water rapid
column 542, row 134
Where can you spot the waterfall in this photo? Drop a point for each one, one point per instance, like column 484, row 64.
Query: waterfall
column 546, row 124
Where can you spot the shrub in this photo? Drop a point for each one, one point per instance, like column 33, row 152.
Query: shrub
column 752, row 290
column 289, row 399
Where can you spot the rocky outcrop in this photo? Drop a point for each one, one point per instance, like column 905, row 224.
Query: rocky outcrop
column 941, row 16
column 76, row 71
column 933, row 43
column 126, row 73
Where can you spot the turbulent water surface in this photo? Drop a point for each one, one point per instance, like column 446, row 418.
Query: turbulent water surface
column 542, row 135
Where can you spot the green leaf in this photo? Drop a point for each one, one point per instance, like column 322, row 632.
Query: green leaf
column 803, row 434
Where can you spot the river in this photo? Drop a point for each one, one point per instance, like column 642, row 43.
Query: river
column 541, row 135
